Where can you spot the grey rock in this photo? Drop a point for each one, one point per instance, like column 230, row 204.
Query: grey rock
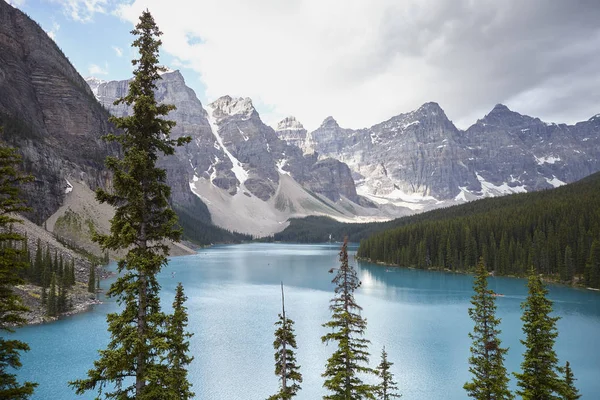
column 60, row 122
column 415, row 152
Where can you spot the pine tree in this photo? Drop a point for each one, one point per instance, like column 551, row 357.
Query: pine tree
column 348, row 327
column 387, row 388
column 569, row 391
column 569, row 265
column 142, row 224
column 179, row 347
column 490, row 379
column 52, row 308
column 38, row 265
column 72, row 272
column 44, row 296
column 539, row 377
column 92, row 279
column 593, row 266
column 63, row 305
column 11, row 306
column 285, row 359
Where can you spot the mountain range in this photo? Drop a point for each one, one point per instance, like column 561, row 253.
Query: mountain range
column 242, row 175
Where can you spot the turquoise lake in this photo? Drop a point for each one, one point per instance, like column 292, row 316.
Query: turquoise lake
column 234, row 298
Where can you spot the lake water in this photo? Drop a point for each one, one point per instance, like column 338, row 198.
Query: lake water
column 234, row 298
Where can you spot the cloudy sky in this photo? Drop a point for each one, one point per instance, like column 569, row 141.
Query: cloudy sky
column 361, row 61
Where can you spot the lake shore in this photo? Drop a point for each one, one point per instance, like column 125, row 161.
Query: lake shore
column 78, row 297
column 547, row 279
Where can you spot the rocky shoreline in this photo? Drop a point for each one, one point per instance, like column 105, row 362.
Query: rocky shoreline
column 80, row 299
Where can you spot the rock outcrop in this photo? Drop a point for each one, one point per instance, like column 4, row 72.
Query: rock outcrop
column 514, row 152
column 49, row 113
column 421, row 156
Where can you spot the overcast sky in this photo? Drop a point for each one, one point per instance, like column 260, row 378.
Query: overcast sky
column 359, row 61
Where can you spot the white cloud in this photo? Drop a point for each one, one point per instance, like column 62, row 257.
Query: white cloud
column 52, row 32
column 363, row 61
column 95, row 70
column 82, row 10
column 118, row 50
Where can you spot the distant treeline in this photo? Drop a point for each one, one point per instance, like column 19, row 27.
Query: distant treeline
column 315, row 229
column 557, row 231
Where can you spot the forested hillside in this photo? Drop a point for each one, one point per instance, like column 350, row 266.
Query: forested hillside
column 557, row 231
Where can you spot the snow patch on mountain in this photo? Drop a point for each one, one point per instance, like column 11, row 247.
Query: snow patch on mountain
column 546, row 159
column 280, row 164
column 488, row 189
column 398, row 198
column 69, row 187
column 240, row 173
column 410, row 124
column 555, row 181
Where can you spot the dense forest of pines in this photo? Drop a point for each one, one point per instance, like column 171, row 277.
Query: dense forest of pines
column 555, row 231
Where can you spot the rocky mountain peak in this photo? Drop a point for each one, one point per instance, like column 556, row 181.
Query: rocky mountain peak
column 230, row 106
column 502, row 116
column 431, row 108
column 329, row 122
column 500, row 108
column 94, row 83
column 289, row 124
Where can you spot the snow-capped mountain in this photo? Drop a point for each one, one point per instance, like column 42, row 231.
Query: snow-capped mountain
column 510, row 152
column 253, row 178
column 250, row 180
column 421, row 160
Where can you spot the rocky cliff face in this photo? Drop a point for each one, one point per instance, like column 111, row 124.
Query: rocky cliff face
column 422, row 157
column 413, row 153
column 191, row 121
column 292, row 132
column 510, row 151
column 232, row 150
column 44, row 103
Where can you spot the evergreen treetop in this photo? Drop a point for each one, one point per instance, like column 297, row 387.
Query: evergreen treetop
column 347, row 363
column 178, row 344
column 569, row 391
column 286, row 366
column 538, row 378
column 387, row 388
column 142, row 225
column 490, row 379
column 11, row 307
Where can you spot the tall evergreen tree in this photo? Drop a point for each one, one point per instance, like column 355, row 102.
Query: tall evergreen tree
column 52, row 308
column 569, row 391
column 539, row 378
column 11, row 306
column 348, row 327
column 177, row 357
column 592, row 268
column 142, row 225
column 569, row 265
column 490, row 379
column 92, row 279
column 285, row 359
column 387, row 388
column 38, row 265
